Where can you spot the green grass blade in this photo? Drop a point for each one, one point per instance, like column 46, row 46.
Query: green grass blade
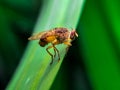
column 34, row 71
column 100, row 48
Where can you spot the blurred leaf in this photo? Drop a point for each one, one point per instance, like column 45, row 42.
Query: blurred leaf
column 100, row 53
column 10, row 48
column 23, row 5
column 112, row 12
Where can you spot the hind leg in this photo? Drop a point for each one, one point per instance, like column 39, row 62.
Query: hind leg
column 57, row 52
column 47, row 49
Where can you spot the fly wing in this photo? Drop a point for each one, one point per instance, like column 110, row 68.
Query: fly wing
column 37, row 36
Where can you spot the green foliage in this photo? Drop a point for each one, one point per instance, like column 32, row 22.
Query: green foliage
column 100, row 43
column 93, row 58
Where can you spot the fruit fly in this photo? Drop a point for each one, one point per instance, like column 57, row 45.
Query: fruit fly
column 55, row 36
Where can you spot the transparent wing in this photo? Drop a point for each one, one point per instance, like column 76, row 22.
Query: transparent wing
column 37, row 36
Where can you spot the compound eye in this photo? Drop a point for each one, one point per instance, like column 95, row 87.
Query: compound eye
column 72, row 35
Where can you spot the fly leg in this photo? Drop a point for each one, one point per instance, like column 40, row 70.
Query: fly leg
column 47, row 49
column 57, row 52
column 68, row 45
column 55, row 42
column 54, row 52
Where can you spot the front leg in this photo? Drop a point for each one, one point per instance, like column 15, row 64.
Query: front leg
column 68, row 45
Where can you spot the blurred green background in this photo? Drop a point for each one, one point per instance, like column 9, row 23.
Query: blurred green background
column 92, row 63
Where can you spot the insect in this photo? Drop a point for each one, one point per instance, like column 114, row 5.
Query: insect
column 55, row 36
